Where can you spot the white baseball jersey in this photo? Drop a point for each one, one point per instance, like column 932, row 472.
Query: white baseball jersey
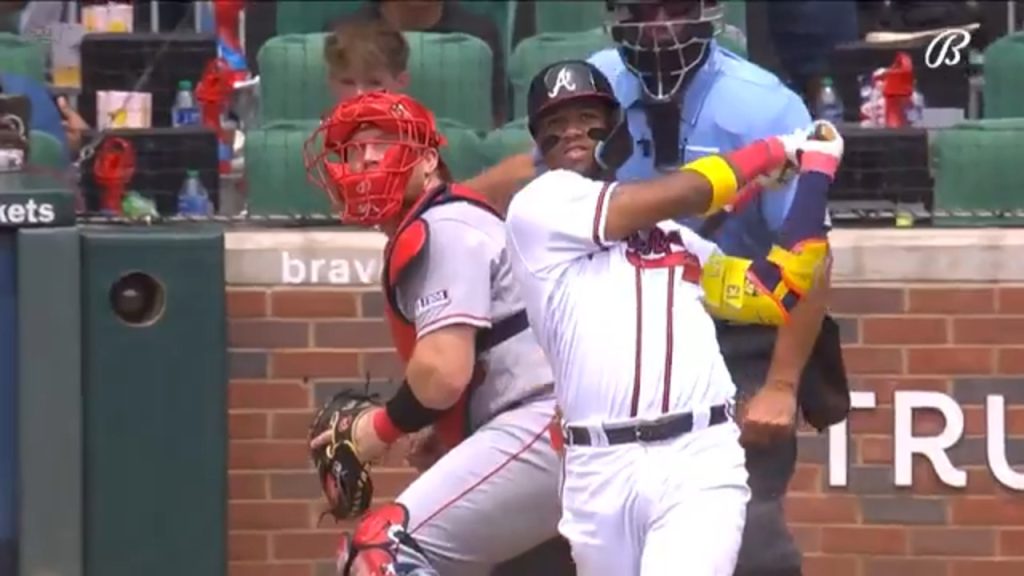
column 464, row 277
column 621, row 322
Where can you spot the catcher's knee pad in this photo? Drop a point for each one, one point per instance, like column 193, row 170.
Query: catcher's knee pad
column 372, row 550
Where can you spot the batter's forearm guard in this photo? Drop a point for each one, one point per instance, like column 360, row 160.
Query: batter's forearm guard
column 734, row 291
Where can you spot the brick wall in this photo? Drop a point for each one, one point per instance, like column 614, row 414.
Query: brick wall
column 291, row 348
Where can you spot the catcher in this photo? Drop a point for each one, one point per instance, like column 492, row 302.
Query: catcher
column 474, row 372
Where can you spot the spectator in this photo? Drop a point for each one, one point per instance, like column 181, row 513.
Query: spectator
column 444, row 16
column 366, row 56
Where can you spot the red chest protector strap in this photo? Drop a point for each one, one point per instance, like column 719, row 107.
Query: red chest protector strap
column 411, row 239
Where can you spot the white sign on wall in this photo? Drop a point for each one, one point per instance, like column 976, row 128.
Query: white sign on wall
column 935, row 448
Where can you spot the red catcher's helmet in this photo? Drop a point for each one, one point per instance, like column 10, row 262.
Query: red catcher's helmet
column 372, row 192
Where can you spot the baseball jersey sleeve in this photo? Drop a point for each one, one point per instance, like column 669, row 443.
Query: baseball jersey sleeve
column 557, row 218
column 451, row 282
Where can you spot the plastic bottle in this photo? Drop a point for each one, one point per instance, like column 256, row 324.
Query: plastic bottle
column 828, row 106
column 193, row 200
column 184, row 112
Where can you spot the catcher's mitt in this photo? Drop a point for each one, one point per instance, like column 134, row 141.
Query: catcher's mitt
column 344, row 478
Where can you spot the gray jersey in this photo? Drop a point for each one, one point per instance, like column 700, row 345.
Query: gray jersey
column 464, row 277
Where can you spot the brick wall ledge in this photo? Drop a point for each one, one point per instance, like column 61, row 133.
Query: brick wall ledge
column 288, row 257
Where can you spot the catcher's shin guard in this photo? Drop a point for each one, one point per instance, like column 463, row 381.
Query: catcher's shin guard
column 372, row 550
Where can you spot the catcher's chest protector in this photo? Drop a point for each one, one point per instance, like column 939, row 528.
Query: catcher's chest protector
column 401, row 252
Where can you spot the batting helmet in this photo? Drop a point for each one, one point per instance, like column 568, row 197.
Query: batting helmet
column 664, row 42
column 366, row 176
column 569, row 81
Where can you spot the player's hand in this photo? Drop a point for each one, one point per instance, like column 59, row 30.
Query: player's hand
column 793, row 142
column 425, row 449
column 769, row 416
column 369, row 447
column 823, row 150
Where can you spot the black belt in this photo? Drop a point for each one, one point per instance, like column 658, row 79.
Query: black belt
column 663, row 429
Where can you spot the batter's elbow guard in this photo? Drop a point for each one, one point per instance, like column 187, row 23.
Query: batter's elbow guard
column 407, row 413
column 762, row 291
column 800, row 266
column 733, row 293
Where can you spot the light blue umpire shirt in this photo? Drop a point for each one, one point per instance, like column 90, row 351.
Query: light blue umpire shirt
column 730, row 103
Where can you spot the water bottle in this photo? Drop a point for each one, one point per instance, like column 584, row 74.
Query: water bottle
column 829, row 106
column 184, row 112
column 193, row 200
column 915, row 109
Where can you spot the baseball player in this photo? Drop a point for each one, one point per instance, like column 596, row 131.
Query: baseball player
column 684, row 97
column 619, row 296
column 473, row 370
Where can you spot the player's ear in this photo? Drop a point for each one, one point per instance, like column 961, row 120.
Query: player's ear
column 431, row 158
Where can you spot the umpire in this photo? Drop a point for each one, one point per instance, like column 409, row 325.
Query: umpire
column 684, row 97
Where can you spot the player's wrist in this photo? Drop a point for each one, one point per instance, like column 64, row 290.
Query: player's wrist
column 758, row 158
column 821, row 162
column 385, row 429
column 783, row 384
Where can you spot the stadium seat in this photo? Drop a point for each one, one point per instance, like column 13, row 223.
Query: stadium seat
column 976, row 168
column 532, row 54
column 451, row 75
column 465, row 154
column 23, row 56
column 1004, row 77
column 275, row 174
column 45, row 151
column 501, row 12
column 293, row 81
column 512, row 138
column 559, row 16
column 311, row 16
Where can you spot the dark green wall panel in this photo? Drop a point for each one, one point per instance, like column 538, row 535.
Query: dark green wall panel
column 155, row 407
column 49, row 402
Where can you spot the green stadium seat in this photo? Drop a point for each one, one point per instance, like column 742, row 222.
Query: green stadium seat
column 311, row 16
column 559, row 16
column 450, row 73
column 45, row 151
column 536, row 52
column 1004, row 77
column 275, row 174
column 975, row 165
column 293, row 78
column 23, row 56
column 501, row 12
column 465, row 154
column 512, row 138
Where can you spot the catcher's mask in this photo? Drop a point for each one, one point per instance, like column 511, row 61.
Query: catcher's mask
column 372, row 550
column 364, row 153
column 664, row 42
column 575, row 82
